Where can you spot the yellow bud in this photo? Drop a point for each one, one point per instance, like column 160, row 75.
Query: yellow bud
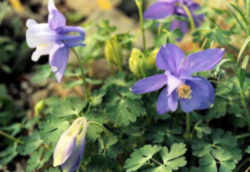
column 39, row 107
column 17, row 6
column 105, row 4
column 150, row 61
column 113, row 52
column 136, row 59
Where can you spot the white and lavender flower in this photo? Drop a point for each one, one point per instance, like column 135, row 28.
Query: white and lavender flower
column 193, row 93
column 53, row 39
column 164, row 8
column 70, row 147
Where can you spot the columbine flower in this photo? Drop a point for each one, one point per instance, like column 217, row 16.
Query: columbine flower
column 70, row 147
column 193, row 93
column 165, row 8
column 53, row 39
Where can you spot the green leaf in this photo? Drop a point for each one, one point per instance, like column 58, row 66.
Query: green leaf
column 248, row 150
column 222, row 149
column 31, row 143
column 124, row 110
column 8, row 155
column 53, row 170
column 161, row 168
column 42, row 74
column 174, row 158
column 70, row 106
column 140, row 156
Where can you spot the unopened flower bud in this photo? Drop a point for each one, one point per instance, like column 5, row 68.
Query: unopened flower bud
column 113, row 52
column 136, row 62
column 69, row 149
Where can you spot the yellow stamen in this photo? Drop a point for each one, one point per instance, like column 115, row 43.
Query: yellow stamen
column 184, row 91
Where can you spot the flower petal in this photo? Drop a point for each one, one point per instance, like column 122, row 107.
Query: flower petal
column 56, row 18
column 73, row 163
column 173, row 83
column 173, row 101
column 149, row 84
column 162, row 102
column 201, row 61
column 64, row 148
column 40, row 51
column 159, row 10
column 169, row 58
column 166, row 103
column 58, row 60
column 39, row 34
column 178, row 24
column 202, row 95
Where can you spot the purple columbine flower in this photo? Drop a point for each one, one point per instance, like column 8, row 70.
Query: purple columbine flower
column 70, row 147
column 193, row 93
column 164, row 8
column 53, row 39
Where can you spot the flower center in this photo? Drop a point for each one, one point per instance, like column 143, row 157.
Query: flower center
column 184, row 91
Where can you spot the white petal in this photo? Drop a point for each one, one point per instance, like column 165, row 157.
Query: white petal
column 41, row 50
column 38, row 34
column 30, row 23
column 173, row 83
column 51, row 5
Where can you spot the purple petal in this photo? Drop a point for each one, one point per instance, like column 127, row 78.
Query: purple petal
column 162, row 102
column 202, row 95
column 169, row 58
column 73, row 163
column 173, row 83
column 166, row 103
column 173, row 101
column 177, row 24
column 198, row 19
column 56, row 18
column 58, row 60
column 159, row 10
column 149, row 84
column 64, row 148
column 201, row 61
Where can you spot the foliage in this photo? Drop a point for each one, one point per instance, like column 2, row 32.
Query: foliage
column 125, row 133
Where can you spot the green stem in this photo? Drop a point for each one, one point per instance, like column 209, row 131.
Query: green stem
column 84, row 82
column 11, row 137
column 242, row 136
column 243, row 48
column 99, row 125
column 242, row 164
column 188, row 134
column 189, row 14
column 139, row 4
column 157, row 162
column 159, row 29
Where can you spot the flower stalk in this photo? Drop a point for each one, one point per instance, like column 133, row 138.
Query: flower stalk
column 84, row 82
column 11, row 137
column 139, row 4
column 189, row 14
column 188, row 134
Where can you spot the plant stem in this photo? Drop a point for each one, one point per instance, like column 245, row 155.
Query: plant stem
column 188, row 134
column 189, row 14
column 139, row 4
column 159, row 29
column 157, row 162
column 242, row 136
column 242, row 164
column 11, row 137
column 84, row 83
